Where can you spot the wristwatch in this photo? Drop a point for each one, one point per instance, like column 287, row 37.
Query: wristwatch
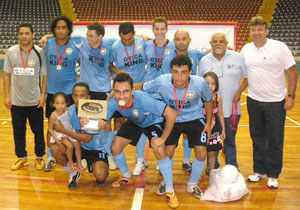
column 293, row 96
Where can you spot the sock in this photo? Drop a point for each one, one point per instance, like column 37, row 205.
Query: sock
column 49, row 154
column 166, row 170
column 109, row 140
column 172, row 163
column 197, row 169
column 187, row 152
column 68, row 170
column 120, row 160
column 140, row 148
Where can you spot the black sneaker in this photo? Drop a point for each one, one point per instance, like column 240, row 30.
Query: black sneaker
column 99, row 183
column 187, row 166
column 161, row 190
column 73, row 181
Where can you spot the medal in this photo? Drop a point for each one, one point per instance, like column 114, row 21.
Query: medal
column 60, row 59
column 128, row 57
column 121, row 103
column 58, row 67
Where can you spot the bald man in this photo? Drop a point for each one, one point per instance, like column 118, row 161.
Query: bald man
column 230, row 68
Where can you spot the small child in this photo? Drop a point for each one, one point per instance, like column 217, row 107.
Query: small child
column 215, row 142
column 61, row 114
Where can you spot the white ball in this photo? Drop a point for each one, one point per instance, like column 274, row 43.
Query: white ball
column 228, row 174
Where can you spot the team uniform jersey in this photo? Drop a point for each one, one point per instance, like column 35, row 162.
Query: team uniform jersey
column 153, row 70
column 94, row 65
column 145, row 111
column 194, row 55
column 61, row 79
column 132, row 62
column 99, row 138
column 192, row 107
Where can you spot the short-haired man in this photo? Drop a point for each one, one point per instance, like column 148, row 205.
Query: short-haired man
column 268, row 99
column 92, row 143
column 144, row 115
column 182, row 41
column 230, row 67
column 24, row 66
column 185, row 92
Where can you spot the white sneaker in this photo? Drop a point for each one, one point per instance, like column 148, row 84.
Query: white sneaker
column 138, row 168
column 272, row 183
column 83, row 163
column 157, row 166
column 195, row 190
column 111, row 163
column 256, row 177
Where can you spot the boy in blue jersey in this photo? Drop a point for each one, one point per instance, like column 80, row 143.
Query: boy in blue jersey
column 185, row 92
column 128, row 56
column 144, row 115
column 158, row 49
column 182, row 41
column 92, row 144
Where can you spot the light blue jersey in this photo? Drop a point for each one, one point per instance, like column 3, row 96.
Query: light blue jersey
column 61, row 79
column 194, row 55
column 99, row 139
column 145, row 111
column 94, row 65
column 125, row 61
column 197, row 91
column 153, row 70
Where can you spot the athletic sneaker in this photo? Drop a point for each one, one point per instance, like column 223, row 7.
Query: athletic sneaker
column 172, row 200
column 139, row 167
column 111, row 163
column 73, row 181
column 39, row 164
column 19, row 164
column 187, row 166
column 161, row 190
column 122, row 181
column 272, row 183
column 195, row 190
column 99, row 183
column 49, row 164
column 256, row 177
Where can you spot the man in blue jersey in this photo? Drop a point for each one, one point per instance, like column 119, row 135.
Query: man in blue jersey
column 182, row 41
column 158, row 49
column 185, row 92
column 92, row 143
column 144, row 115
column 128, row 56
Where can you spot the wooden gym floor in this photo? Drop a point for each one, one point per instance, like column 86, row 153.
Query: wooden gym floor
column 28, row 188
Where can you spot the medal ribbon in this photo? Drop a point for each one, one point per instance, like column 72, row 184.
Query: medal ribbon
column 176, row 99
column 233, row 123
column 159, row 61
column 25, row 64
column 60, row 59
column 133, row 53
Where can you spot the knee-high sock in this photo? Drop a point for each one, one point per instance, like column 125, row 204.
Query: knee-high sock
column 68, row 169
column 49, row 154
column 197, row 169
column 187, row 152
column 166, row 170
column 109, row 140
column 140, row 148
column 120, row 160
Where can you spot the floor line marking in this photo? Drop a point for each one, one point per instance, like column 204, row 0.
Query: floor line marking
column 137, row 199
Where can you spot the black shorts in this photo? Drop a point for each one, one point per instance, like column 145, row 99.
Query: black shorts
column 192, row 129
column 215, row 141
column 93, row 156
column 98, row 95
column 131, row 131
column 49, row 103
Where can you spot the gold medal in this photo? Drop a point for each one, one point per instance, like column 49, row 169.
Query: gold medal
column 58, row 67
column 121, row 103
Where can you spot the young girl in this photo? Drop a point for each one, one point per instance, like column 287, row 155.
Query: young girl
column 215, row 142
column 61, row 114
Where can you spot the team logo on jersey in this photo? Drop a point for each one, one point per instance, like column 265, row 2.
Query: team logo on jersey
column 31, row 63
column 135, row 112
column 139, row 47
column 190, row 94
column 168, row 52
column 229, row 66
column 103, row 51
column 69, row 51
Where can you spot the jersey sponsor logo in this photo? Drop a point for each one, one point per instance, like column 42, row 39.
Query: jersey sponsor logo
column 139, row 47
column 168, row 52
column 69, row 51
column 24, row 72
column 172, row 103
column 229, row 66
column 31, row 63
column 138, row 59
column 190, row 94
column 135, row 112
column 53, row 60
column 103, row 51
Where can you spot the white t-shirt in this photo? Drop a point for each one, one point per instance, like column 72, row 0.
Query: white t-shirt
column 266, row 65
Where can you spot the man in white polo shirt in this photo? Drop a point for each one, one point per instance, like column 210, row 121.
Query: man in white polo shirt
column 268, row 99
